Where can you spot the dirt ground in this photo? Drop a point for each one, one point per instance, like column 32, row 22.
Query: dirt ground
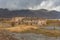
column 5, row 35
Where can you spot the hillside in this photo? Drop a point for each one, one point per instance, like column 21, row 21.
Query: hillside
column 42, row 13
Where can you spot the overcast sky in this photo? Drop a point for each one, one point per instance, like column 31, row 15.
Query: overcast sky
column 30, row 4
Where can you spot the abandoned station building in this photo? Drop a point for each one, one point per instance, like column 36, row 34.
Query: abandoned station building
column 29, row 21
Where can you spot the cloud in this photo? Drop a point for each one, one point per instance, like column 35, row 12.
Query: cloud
column 30, row 4
column 18, row 4
column 48, row 4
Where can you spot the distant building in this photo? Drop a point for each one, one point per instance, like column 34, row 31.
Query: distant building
column 42, row 22
column 29, row 21
column 17, row 19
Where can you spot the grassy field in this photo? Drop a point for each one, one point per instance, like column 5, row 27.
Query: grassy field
column 53, row 22
column 35, row 29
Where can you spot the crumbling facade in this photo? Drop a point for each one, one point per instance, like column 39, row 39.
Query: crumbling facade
column 29, row 21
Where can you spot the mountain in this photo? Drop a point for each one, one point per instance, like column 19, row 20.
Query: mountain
column 42, row 13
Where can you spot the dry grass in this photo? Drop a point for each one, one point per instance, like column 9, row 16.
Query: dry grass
column 53, row 22
column 33, row 29
column 21, row 28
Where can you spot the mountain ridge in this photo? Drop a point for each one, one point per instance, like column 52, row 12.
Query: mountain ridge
column 42, row 13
